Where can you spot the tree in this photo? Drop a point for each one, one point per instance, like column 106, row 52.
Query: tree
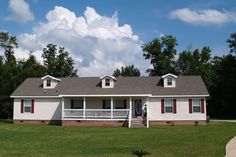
column 127, row 71
column 196, row 63
column 161, row 53
column 232, row 43
column 58, row 63
column 30, row 68
column 8, row 43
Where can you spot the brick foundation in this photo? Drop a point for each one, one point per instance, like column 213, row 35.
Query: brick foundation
column 186, row 122
column 93, row 123
column 47, row 122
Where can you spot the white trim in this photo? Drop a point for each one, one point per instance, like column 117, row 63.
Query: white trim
column 169, row 74
column 111, row 95
column 177, row 96
column 107, row 75
column 81, row 119
column 54, row 78
column 115, row 95
column 35, row 97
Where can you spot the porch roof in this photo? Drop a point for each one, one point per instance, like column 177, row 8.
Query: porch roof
column 185, row 85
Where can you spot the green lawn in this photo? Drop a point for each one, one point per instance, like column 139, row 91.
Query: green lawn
column 160, row 141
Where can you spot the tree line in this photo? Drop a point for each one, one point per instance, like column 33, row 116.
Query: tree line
column 218, row 72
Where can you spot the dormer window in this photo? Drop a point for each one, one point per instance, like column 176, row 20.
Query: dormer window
column 48, row 82
column 107, row 82
column 169, row 81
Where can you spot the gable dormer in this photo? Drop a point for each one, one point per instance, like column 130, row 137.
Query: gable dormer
column 49, row 82
column 169, row 80
column 107, row 81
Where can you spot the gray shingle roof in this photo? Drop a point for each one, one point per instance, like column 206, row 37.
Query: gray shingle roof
column 185, row 85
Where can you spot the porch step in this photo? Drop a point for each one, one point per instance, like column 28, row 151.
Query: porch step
column 138, row 123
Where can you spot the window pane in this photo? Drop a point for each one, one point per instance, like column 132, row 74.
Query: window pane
column 196, row 109
column 107, row 104
column 78, row 104
column 169, row 81
column 48, row 82
column 169, row 105
column 196, row 105
column 107, row 82
column 119, row 104
column 27, row 105
column 169, row 109
column 27, row 109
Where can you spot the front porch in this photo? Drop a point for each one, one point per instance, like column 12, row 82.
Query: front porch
column 102, row 108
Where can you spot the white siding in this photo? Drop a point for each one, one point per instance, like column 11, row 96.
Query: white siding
column 44, row 109
column 182, row 107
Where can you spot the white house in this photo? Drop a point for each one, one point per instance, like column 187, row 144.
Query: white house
column 109, row 100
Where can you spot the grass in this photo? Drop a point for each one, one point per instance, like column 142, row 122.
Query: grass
column 160, row 141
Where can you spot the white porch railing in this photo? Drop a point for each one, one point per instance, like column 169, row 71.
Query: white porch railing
column 96, row 113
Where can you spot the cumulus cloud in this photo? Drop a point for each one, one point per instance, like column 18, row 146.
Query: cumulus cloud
column 20, row 11
column 203, row 17
column 97, row 43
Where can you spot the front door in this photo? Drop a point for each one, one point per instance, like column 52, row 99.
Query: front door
column 138, row 107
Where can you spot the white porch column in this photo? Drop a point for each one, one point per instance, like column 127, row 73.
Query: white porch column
column 111, row 107
column 147, row 102
column 130, row 111
column 84, row 107
column 62, row 108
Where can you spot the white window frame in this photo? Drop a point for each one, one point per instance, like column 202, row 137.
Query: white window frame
column 169, row 81
column 171, row 105
column 27, row 103
column 107, row 82
column 48, row 82
column 196, row 103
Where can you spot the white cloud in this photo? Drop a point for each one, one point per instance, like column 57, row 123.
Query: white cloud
column 203, row 17
column 97, row 43
column 20, row 11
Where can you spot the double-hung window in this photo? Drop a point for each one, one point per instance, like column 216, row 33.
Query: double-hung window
column 169, row 106
column 48, row 83
column 196, row 105
column 107, row 82
column 27, row 106
column 169, row 81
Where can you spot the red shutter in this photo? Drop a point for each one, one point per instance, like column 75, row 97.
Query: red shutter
column 202, row 105
column 125, row 104
column 22, row 106
column 72, row 106
column 190, row 106
column 103, row 103
column 174, row 103
column 32, row 106
column 162, row 106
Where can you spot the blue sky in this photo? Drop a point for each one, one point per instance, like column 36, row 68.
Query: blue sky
column 199, row 23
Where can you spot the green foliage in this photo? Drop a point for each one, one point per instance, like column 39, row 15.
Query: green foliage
column 58, row 63
column 161, row 53
column 127, row 71
column 8, row 43
column 232, row 43
column 13, row 73
column 140, row 153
